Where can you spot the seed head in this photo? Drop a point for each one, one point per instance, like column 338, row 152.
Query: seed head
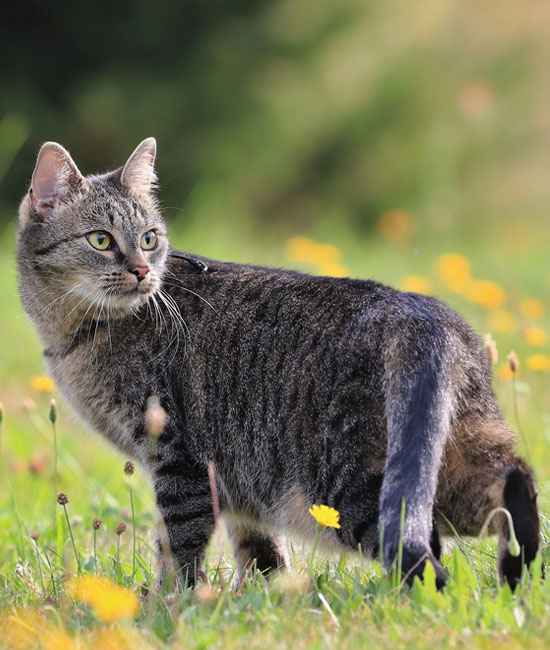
column 53, row 411
column 96, row 523
column 490, row 349
column 35, row 535
column 120, row 528
column 513, row 362
column 156, row 417
column 129, row 468
column 205, row 594
column 28, row 405
column 62, row 499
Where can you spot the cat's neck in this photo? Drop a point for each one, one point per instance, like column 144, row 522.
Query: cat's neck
column 62, row 318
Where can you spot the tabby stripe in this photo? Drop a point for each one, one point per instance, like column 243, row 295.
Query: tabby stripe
column 52, row 246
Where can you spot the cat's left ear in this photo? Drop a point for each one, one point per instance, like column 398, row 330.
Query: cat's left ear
column 138, row 175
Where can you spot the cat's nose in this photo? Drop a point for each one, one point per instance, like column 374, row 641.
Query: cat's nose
column 139, row 271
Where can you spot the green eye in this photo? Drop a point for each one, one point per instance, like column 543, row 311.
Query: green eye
column 149, row 241
column 99, row 239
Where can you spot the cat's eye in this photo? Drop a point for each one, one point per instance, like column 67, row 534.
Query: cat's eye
column 99, row 239
column 149, row 241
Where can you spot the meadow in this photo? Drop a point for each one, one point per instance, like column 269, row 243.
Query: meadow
column 497, row 279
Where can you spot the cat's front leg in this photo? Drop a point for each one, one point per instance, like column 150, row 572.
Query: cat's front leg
column 185, row 505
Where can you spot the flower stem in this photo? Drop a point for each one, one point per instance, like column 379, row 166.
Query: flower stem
column 133, row 533
column 72, row 539
column 513, row 545
column 39, row 567
column 518, row 423
column 315, row 541
column 95, row 552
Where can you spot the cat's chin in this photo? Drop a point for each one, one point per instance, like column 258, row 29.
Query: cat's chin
column 127, row 302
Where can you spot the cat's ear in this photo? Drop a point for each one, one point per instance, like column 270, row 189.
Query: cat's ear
column 138, row 175
column 54, row 179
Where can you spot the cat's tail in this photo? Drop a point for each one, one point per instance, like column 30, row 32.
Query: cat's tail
column 418, row 393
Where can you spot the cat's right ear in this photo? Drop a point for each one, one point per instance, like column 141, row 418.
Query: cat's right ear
column 55, row 178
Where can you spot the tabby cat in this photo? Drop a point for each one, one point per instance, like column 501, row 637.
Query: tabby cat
column 301, row 390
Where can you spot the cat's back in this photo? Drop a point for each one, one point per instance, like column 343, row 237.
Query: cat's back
column 256, row 297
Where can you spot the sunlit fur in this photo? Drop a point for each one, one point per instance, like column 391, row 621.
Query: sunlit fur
column 301, row 390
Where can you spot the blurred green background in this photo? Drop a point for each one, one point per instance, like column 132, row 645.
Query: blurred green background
column 360, row 137
column 404, row 141
column 292, row 115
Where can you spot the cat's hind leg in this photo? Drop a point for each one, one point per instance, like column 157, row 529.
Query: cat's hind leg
column 481, row 472
column 254, row 548
column 418, row 412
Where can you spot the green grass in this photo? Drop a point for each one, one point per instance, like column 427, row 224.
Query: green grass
column 341, row 602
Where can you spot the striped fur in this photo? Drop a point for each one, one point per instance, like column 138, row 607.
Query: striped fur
column 300, row 389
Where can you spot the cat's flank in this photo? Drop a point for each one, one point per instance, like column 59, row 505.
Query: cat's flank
column 301, row 390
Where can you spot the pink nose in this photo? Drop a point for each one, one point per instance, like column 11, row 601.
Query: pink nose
column 140, row 272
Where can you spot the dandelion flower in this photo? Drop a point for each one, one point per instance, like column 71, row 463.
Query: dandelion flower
column 538, row 362
column 325, row 515
column 416, row 284
column 300, row 249
column 42, row 384
column 109, row 601
column 333, row 270
column 454, row 272
column 502, row 321
column 531, row 308
column 535, row 336
column 486, row 293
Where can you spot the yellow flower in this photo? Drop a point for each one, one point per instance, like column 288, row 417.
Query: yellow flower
column 42, row 384
column 333, row 270
column 113, row 639
column 109, row 601
column 325, row 256
column 325, row 515
column 303, row 249
column 535, row 336
column 531, row 308
column 538, row 362
column 300, row 248
column 502, row 321
column 486, row 293
column 396, row 225
column 416, row 284
column 55, row 638
column 454, row 272
column 29, row 629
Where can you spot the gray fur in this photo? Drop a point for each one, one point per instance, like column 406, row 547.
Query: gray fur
column 301, row 389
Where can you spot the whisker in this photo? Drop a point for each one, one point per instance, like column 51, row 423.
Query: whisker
column 181, row 286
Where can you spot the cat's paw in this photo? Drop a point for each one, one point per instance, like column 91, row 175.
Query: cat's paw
column 413, row 563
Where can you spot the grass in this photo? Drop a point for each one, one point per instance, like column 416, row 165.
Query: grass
column 333, row 601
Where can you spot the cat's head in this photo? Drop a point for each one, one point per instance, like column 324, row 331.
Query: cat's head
column 96, row 245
